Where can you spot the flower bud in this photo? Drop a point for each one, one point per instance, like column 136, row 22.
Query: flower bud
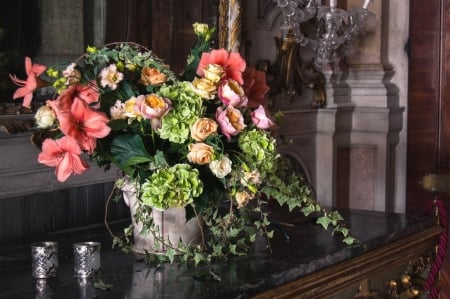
column 45, row 117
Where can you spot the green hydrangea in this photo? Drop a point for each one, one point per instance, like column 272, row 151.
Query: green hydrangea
column 173, row 187
column 187, row 107
column 259, row 149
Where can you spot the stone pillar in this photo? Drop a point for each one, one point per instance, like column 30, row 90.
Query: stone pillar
column 62, row 31
column 365, row 173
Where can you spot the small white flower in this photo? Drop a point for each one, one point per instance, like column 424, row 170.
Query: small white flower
column 118, row 110
column 45, row 117
column 221, row 168
column 72, row 75
column 110, row 77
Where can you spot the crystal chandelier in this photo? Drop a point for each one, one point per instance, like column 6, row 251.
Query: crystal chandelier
column 336, row 28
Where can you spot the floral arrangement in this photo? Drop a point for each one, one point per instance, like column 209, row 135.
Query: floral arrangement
column 203, row 140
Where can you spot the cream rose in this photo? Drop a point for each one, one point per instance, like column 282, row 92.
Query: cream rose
column 202, row 128
column 214, row 72
column 200, row 153
column 204, row 88
column 45, row 117
column 221, row 168
column 242, row 198
column 251, row 177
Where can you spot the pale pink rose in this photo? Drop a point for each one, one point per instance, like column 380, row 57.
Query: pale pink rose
column 232, row 94
column 153, row 107
column 231, row 121
column 260, row 118
column 202, row 128
column 200, row 153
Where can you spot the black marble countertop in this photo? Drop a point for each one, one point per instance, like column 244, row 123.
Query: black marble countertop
column 308, row 249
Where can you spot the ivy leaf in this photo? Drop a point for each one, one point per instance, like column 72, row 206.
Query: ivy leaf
column 350, row 240
column 171, row 254
column 100, row 284
column 324, row 221
column 308, row 210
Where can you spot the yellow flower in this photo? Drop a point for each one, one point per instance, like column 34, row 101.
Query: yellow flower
column 204, row 88
column 202, row 128
column 214, row 72
column 200, row 153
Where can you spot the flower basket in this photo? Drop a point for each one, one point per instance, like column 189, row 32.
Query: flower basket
column 171, row 227
column 203, row 141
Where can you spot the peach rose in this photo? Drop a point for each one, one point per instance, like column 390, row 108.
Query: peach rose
column 202, row 128
column 200, row 153
column 242, row 198
column 151, row 76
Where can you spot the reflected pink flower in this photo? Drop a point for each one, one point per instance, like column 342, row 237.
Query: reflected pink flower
column 232, row 63
column 230, row 120
column 64, row 154
column 30, row 84
column 260, row 118
column 255, row 87
column 84, row 124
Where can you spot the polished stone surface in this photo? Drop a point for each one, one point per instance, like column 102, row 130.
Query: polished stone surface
column 296, row 251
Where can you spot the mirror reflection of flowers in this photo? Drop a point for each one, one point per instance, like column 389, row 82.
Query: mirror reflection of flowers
column 201, row 140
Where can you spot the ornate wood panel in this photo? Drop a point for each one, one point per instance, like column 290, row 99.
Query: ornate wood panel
column 429, row 98
column 429, row 106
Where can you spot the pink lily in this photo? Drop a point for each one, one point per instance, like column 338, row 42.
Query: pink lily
column 29, row 85
column 64, row 154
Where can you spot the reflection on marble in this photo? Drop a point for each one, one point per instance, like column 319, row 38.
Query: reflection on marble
column 308, row 249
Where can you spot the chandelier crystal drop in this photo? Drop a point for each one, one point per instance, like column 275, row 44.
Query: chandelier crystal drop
column 336, row 28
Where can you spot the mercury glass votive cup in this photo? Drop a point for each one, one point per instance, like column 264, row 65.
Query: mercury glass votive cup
column 44, row 259
column 86, row 259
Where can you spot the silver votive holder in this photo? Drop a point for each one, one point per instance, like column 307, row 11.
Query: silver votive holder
column 44, row 259
column 86, row 259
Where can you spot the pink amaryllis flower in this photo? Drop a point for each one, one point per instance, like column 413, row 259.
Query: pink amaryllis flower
column 230, row 120
column 29, row 85
column 232, row 63
column 260, row 118
column 86, row 93
column 84, row 124
column 64, row 155
column 255, row 87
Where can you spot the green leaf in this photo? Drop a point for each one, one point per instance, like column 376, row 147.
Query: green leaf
column 130, row 150
column 350, row 240
column 308, row 210
column 324, row 221
column 100, row 284
column 171, row 254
